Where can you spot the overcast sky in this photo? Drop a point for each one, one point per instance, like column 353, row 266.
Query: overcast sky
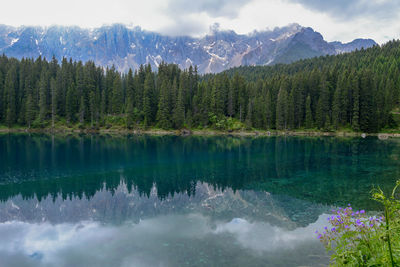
column 342, row 20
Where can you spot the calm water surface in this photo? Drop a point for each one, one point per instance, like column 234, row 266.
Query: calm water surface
column 180, row 201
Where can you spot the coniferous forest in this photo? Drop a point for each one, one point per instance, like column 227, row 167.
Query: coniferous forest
column 358, row 91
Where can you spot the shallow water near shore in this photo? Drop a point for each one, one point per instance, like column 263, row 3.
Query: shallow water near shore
column 94, row 200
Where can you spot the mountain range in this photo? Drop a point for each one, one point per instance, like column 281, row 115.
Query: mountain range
column 129, row 47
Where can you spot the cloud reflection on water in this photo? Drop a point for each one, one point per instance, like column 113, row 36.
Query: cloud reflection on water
column 172, row 240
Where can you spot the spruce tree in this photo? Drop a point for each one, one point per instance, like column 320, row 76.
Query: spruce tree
column 291, row 110
column 30, row 110
column 336, row 109
column 163, row 115
column 93, row 108
column 129, row 113
column 282, row 109
column 355, row 123
column 268, row 111
column 117, row 97
column 10, row 86
column 148, row 99
column 82, row 108
column 1, row 98
column 309, row 117
column 179, row 111
column 43, row 96
column 53, row 101
column 71, row 104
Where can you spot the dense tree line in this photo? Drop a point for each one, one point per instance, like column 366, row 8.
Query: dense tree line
column 358, row 90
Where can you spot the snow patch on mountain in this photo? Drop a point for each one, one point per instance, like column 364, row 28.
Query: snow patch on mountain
column 127, row 47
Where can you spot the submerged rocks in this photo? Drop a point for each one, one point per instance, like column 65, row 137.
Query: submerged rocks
column 185, row 132
column 383, row 136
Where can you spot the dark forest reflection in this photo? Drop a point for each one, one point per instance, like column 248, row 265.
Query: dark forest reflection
column 332, row 171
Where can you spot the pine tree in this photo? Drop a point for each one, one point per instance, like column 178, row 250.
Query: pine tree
column 43, row 96
column 71, row 104
column 355, row 123
column 93, row 108
column 323, row 106
column 282, row 110
column 103, row 107
column 10, row 87
column 163, row 106
column 268, row 111
column 148, row 98
column 249, row 114
column 53, row 101
column 130, row 90
column 309, row 117
column 82, row 108
column 336, row 109
column 129, row 113
column 30, row 110
column 1, row 98
column 179, row 111
column 117, row 97
column 290, row 111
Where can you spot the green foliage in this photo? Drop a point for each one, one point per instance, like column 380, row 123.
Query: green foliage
column 360, row 90
column 358, row 240
column 225, row 123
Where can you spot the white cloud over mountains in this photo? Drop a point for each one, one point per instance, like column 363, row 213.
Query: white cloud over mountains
column 341, row 20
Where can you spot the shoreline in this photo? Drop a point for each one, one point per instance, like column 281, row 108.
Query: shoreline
column 208, row 132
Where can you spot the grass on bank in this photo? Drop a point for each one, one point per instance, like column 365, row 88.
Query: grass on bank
column 113, row 123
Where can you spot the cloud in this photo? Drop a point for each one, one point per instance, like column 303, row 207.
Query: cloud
column 214, row 8
column 348, row 10
column 160, row 241
column 341, row 20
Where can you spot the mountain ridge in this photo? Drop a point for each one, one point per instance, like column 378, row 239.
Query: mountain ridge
column 129, row 47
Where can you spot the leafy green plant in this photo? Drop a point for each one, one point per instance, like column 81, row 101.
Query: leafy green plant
column 355, row 239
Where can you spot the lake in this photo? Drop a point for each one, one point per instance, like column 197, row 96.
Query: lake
column 96, row 200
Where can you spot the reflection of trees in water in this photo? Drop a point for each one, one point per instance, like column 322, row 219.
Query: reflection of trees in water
column 323, row 170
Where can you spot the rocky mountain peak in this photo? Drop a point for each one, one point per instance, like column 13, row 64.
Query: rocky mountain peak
column 127, row 47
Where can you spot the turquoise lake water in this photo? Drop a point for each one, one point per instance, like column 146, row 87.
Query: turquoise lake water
column 95, row 200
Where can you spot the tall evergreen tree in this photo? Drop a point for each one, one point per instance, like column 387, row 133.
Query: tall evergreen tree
column 71, row 104
column 163, row 115
column 179, row 111
column 282, row 110
column 30, row 110
column 53, row 101
column 148, row 99
column 117, row 97
column 43, row 96
column 355, row 123
column 268, row 111
column 10, row 88
column 309, row 117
